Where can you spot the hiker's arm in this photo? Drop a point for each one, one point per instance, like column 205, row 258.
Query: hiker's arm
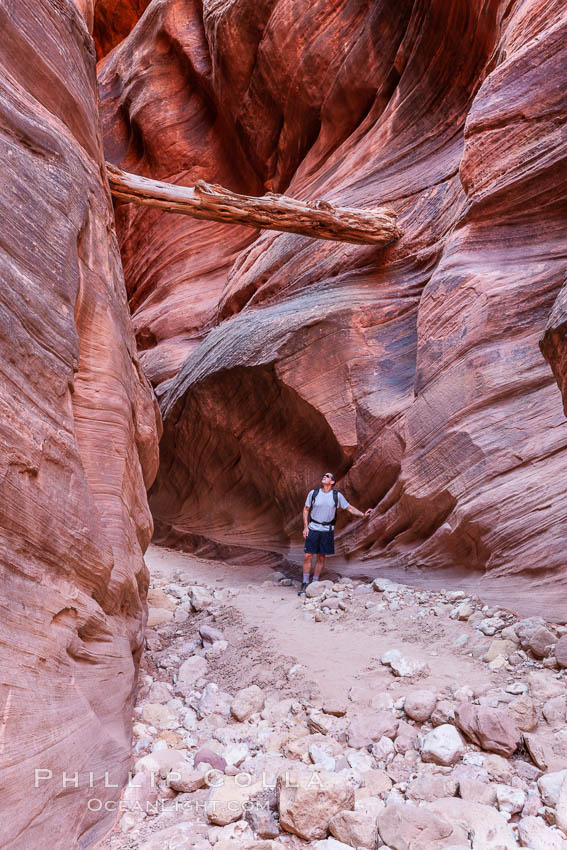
column 355, row 512
column 305, row 515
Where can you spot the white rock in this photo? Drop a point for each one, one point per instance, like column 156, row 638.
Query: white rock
column 442, row 745
column 401, row 665
column 321, row 757
column 490, row 625
column 550, row 785
column 189, row 672
column 561, row 807
column 383, row 749
column 213, row 701
column 359, row 760
column 331, row 844
column 200, row 598
column 510, row 799
column 535, row 834
column 384, row 584
column 247, row 701
column 370, row 806
column 235, row 754
column 389, row 656
column 490, row 828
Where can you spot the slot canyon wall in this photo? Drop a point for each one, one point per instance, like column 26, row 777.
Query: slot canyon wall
column 413, row 371
column 78, row 437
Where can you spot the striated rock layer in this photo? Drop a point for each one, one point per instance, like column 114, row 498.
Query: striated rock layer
column 78, row 438
column 413, row 371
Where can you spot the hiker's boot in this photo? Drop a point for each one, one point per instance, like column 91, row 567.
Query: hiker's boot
column 302, row 589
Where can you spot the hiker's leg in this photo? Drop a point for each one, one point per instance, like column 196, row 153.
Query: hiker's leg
column 307, row 560
column 319, row 564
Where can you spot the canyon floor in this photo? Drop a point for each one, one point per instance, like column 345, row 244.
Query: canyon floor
column 427, row 718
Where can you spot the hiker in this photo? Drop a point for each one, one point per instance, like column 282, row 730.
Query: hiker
column 319, row 517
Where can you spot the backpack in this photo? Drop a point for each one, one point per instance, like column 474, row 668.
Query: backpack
column 331, row 524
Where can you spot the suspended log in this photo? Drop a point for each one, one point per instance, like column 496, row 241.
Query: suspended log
column 317, row 219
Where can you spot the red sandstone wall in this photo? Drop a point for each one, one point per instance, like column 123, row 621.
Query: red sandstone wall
column 414, row 371
column 78, row 438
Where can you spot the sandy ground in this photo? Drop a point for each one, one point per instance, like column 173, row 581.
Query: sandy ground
column 337, row 654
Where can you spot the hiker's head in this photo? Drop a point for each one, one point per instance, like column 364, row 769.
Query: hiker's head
column 329, row 478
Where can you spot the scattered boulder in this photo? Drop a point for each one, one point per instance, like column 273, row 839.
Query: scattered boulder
column 407, row 827
column 226, row 802
column 429, row 787
column 490, row 625
column 210, row 635
column 156, row 714
column 140, row 794
column 492, row 729
column 555, row 710
column 158, row 598
column 235, row 754
column 561, row 651
column 509, row 799
column 537, row 749
column 419, row 705
column 159, row 692
column 385, row 584
column 499, row 769
column 491, row 830
column 213, row 701
column 444, row 712
column 335, row 706
column 535, row 834
column 369, row 726
column 498, row 648
column 308, row 802
column 189, row 672
column 355, row 829
column 540, row 641
column 207, row 756
column 402, row 666
column 161, row 762
column 443, row 746
column 261, row 817
column 377, row 783
column 477, row 791
column 523, row 712
column 550, row 785
column 186, row 779
column 248, row 701
column 158, row 616
column 316, row 588
column 200, row 598
column 331, row 844
column 561, row 807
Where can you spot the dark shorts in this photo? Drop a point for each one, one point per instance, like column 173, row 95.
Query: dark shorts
column 320, row 542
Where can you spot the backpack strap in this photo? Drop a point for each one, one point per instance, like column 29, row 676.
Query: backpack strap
column 314, row 495
column 330, row 524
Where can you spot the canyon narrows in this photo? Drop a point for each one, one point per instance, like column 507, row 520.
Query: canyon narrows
column 414, row 371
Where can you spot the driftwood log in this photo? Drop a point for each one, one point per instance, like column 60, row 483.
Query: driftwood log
column 317, row 219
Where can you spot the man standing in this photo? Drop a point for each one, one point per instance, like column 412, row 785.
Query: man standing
column 319, row 517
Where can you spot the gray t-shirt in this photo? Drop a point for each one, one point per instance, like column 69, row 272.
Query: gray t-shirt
column 324, row 508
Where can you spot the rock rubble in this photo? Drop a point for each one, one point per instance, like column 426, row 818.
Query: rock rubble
column 267, row 766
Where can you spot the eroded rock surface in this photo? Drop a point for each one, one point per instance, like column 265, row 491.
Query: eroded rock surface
column 414, row 371
column 78, row 442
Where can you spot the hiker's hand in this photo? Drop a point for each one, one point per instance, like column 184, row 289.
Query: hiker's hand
column 368, row 512
column 305, row 533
